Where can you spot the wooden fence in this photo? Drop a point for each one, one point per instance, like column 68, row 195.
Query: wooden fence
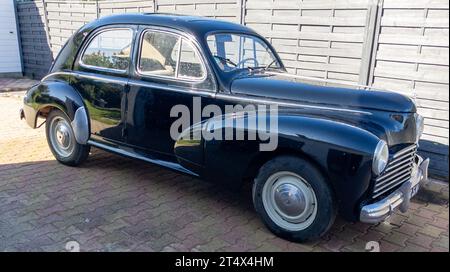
column 398, row 45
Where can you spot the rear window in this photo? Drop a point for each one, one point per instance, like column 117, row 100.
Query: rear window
column 109, row 49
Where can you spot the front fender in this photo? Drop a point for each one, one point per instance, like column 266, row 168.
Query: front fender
column 343, row 152
column 60, row 95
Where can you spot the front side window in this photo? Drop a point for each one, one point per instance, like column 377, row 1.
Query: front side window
column 240, row 51
column 159, row 53
column 110, row 49
column 166, row 54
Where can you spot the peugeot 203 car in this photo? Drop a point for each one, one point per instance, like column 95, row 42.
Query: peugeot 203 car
column 339, row 149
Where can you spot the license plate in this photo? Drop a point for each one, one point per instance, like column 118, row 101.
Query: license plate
column 414, row 190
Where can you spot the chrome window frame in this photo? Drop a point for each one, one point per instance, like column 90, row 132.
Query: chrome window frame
column 176, row 77
column 105, row 69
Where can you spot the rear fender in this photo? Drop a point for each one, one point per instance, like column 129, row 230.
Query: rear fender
column 59, row 95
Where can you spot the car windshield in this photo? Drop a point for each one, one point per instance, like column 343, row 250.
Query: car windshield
column 241, row 51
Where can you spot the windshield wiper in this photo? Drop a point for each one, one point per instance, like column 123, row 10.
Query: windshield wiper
column 225, row 60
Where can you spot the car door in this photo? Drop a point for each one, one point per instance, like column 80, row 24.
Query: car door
column 102, row 71
column 169, row 70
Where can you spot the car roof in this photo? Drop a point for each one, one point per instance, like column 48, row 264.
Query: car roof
column 194, row 25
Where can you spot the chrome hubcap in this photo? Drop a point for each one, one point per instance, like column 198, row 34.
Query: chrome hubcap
column 289, row 201
column 61, row 136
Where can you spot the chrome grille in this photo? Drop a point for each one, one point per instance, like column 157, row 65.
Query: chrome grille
column 397, row 171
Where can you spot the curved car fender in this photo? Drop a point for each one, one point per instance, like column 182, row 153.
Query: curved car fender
column 63, row 97
column 310, row 135
column 343, row 151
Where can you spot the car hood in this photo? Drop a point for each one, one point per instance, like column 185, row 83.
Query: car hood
column 284, row 87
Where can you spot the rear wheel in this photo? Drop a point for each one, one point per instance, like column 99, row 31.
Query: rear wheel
column 61, row 140
column 293, row 199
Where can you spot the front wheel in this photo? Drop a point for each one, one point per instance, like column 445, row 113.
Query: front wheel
column 293, row 199
column 61, row 140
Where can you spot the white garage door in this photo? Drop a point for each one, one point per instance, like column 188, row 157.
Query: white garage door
column 10, row 62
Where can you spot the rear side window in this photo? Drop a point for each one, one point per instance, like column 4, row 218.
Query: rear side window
column 110, row 49
column 168, row 55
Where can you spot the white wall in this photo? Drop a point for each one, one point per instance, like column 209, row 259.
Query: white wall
column 10, row 61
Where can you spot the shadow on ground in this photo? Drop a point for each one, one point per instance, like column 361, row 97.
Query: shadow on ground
column 111, row 203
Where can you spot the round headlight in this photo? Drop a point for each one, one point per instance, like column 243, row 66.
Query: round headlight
column 380, row 157
column 419, row 126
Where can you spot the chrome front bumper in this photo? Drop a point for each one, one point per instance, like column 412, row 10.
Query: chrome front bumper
column 379, row 211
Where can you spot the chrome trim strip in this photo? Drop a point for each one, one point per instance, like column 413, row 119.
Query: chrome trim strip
column 171, row 88
column 286, row 104
column 133, row 82
column 389, row 185
column 111, row 79
column 80, row 126
column 379, row 211
column 176, row 77
column 403, row 151
column 401, row 159
column 398, row 171
column 395, row 164
column 55, row 74
column 122, row 152
column 211, row 94
column 395, row 184
column 392, row 174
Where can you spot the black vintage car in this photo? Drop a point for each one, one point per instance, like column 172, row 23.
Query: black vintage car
column 117, row 80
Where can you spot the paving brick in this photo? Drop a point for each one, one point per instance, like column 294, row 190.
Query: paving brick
column 266, row 246
column 413, row 248
column 417, row 220
column 407, row 229
column 439, row 249
column 372, row 235
column 441, row 242
column 397, row 238
column 422, row 240
column 212, row 245
column 439, row 222
column 386, row 246
column 348, row 234
column 431, row 231
column 334, row 244
column 429, row 214
column 384, row 227
column 356, row 246
column 396, row 219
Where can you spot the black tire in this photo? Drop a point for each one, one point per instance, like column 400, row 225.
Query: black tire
column 78, row 153
column 324, row 214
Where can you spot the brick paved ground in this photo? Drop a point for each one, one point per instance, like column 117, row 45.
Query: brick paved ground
column 16, row 84
column 113, row 204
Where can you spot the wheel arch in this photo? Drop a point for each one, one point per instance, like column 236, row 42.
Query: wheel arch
column 50, row 95
column 341, row 152
column 263, row 157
